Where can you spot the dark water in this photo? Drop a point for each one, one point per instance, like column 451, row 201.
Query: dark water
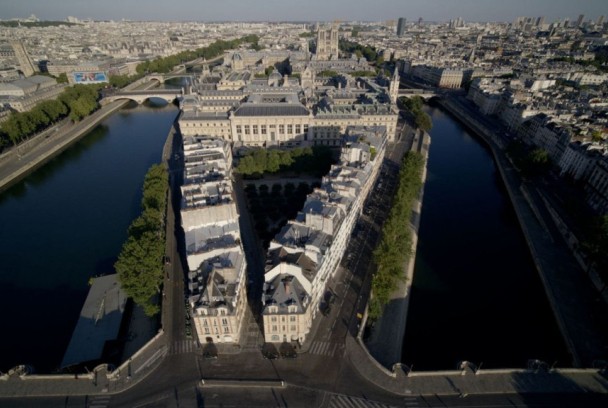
column 476, row 294
column 65, row 223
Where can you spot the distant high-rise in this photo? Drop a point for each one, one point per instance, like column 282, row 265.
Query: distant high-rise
column 327, row 43
column 540, row 21
column 25, row 64
column 401, row 27
column 600, row 20
column 579, row 22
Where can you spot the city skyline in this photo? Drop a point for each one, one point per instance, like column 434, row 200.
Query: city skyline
column 292, row 10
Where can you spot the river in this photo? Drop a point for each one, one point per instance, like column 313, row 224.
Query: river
column 67, row 222
column 476, row 295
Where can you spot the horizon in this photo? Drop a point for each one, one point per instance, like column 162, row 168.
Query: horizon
column 275, row 11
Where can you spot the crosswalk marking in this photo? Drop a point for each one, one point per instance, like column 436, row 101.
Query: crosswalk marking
column 323, row 348
column 183, row 346
column 99, row 401
column 345, row 401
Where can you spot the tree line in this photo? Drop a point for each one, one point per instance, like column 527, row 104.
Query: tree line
column 140, row 263
column 315, row 160
column 166, row 64
column 395, row 249
column 76, row 102
column 414, row 105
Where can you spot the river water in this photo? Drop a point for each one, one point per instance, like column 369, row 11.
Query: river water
column 476, row 295
column 67, row 222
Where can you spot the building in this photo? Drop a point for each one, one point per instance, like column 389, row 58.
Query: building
column 597, row 186
column 25, row 63
column 23, row 94
column 304, row 255
column 278, row 111
column 401, row 26
column 216, row 260
column 327, row 43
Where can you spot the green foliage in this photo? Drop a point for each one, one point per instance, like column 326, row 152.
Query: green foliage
column 120, row 81
column 395, row 249
column 363, row 73
column 167, row 64
column 366, row 51
column 328, row 73
column 596, row 136
column 307, row 34
column 29, row 24
column 140, row 263
column 316, row 160
column 62, row 78
column 414, row 105
column 77, row 102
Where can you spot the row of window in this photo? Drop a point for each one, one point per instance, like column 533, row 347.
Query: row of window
column 224, row 322
column 291, row 328
column 226, row 330
column 263, row 129
column 274, row 319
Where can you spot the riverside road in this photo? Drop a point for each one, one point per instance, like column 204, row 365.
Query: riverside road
column 331, row 370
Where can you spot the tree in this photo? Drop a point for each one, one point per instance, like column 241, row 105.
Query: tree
column 139, row 265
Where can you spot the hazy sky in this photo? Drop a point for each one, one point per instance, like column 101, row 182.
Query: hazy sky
column 303, row 10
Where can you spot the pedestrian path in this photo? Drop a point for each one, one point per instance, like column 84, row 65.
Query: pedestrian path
column 99, row 401
column 345, row 401
column 183, row 347
column 323, row 348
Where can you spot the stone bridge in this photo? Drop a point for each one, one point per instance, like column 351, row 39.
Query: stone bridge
column 140, row 97
column 423, row 93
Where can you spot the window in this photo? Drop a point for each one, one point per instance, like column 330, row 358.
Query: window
column 263, row 129
column 298, row 129
column 239, row 129
column 206, row 330
column 274, row 328
column 290, row 129
column 255, row 129
column 293, row 328
column 292, row 318
column 205, row 322
column 247, row 130
column 273, row 319
column 305, row 128
column 224, row 322
column 226, row 329
column 281, row 129
column 283, row 318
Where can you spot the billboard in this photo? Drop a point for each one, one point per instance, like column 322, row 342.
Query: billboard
column 89, row 77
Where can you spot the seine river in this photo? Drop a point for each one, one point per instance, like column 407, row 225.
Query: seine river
column 65, row 223
column 476, row 294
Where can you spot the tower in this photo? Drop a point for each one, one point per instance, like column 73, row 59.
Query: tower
column 25, row 64
column 401, row 27
column 393, row 88
column 327, row 43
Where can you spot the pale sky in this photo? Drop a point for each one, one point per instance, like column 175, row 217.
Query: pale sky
column 303, row 10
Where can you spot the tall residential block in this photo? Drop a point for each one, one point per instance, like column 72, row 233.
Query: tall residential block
column 401, row 27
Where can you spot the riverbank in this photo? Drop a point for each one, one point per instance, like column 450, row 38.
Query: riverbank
column 385, row 342
column 561, row 276
column 30, row 155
